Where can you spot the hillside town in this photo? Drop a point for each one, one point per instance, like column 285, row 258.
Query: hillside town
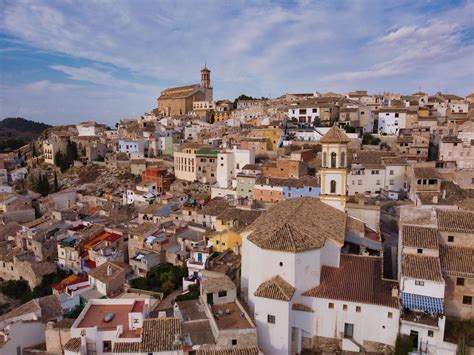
column 308, row 223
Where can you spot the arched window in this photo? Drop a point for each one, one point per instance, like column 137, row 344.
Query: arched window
column 333, row 160
column 333, row 186
column 324, row 159
column 343, row 159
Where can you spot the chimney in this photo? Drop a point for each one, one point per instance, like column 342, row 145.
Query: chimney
column 109, row 270
column 395, row 291
column 83, row 342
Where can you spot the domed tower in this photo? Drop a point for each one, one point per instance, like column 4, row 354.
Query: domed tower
column 334, row 167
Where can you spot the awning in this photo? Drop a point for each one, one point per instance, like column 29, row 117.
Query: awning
column 422, row 303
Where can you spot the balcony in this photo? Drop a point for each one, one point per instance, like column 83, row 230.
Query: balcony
column 192, row 263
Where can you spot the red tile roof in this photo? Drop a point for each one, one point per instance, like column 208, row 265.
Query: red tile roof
column 357, row 279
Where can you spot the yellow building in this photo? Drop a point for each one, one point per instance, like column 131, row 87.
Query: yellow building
column 221, row 116
column 273, row 134
column 228, row 239
column 423, row 112
column 228, row 227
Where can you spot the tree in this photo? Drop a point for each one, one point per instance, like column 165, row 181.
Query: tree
column 56, row 184
column 42, row 185
column 58, row 158
column 34, row 153
column 71, row 151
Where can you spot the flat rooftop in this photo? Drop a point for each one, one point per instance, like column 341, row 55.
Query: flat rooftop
column 96, row 313
column 234, row 320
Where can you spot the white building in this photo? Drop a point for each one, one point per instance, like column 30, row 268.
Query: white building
column 89, row 128
column 132, row 146
column 25, row 325
column 304, row 293
column 422, row 289
column 303, row 113
column 230, row 163
column 391, row 120
column 120, row 326
column 377, row 172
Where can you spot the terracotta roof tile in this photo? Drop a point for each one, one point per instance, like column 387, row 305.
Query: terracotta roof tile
column 421, row 267
column 420, row 237
column 457, row 261
column 357, row 279
column 298, row 224
column 231, row 351
column 426, row 173
column 159, row 334
column 335, row 135
column 302, row 307
column 276, row 288
column 456, row 221
column 73, row 344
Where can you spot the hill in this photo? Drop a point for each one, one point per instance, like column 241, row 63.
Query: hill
column 16, row 132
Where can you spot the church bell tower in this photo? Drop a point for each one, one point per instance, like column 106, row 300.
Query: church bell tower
column 205, row 78
column 334, row 168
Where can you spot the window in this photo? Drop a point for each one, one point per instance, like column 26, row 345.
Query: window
column 460, row 281
column 419, row 283
column 333, row 160
column 331, row 305
column 107, row 346
column 234, row 341
column 271, row 319
column 343, row 159
column 344, row 307
column 392, row 172
column 389, row 315
column 324, row 159
column 281, row 264
column 391, row 182
column 467, row 300
column 430, row 333
column 358, row 309
column 333, row 186
column 378, row 182
column 419, row 251
column 450, row 238
column 222, row 293
column 348, row 330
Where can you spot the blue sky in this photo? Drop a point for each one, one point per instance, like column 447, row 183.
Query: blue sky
column 68, row 61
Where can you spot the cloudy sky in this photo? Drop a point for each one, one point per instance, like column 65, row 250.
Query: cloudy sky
column 68, row 61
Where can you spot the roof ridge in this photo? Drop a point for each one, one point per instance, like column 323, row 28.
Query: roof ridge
column 279, row 286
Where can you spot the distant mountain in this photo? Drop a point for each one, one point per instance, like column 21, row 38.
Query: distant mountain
column 16, row 132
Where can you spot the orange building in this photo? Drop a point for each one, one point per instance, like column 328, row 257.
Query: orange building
column 285, row 169
column 158, row 175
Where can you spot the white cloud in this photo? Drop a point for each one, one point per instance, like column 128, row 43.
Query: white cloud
column 253, row 47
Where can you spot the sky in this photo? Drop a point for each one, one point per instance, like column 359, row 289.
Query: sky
column 70, row 61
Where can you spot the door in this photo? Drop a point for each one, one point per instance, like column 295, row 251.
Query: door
column 210, row 299
column 348, row 330
column 414, row 338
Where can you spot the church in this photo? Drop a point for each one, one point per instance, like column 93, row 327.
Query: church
column 179, row 100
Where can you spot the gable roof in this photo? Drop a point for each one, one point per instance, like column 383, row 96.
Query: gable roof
column 420, row 237
column 297, row 225
column 456, row 261
column 357, row 279
column 421, row 267
column 276, row 288
column 158, row 334
column 456, row 221
column 335, row 135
